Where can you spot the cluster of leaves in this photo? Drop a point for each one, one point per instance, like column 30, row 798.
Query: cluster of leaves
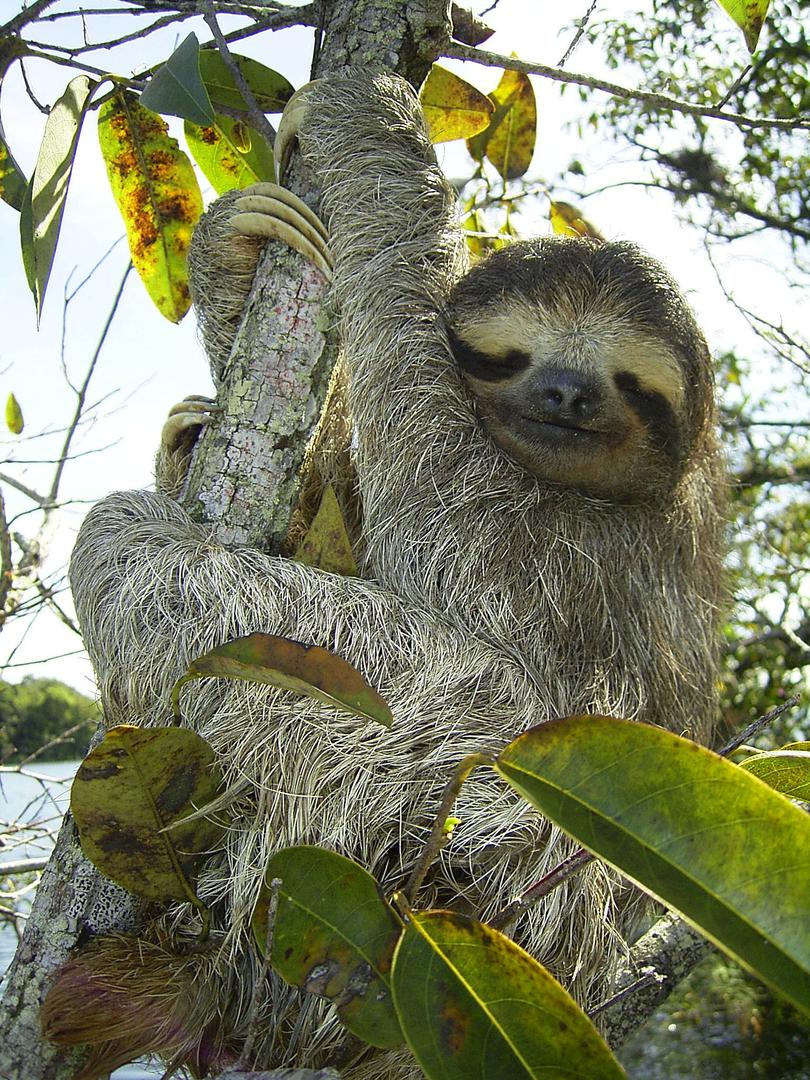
column 39, row 712
column 705, row 836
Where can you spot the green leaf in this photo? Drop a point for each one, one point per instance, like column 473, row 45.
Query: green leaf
column 231, row 154
column 271, row 90
column 133, row 785
column 12, row 180
column 177, row 88
column 326, row 544
column 749, row 15
column 453, row 108
column 787, row 771
column 289, row 665
column 698, row 832
column 508, row 142
column 49, row 185
column 154, row 185
column 473, row 1004
column 14, row 416
column 334, row 935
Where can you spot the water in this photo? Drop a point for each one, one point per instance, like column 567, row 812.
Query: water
column 38, row 801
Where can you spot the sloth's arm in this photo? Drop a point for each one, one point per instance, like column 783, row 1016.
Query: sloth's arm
column 396, row 249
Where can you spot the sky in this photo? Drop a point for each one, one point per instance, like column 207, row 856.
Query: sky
column 148, row 364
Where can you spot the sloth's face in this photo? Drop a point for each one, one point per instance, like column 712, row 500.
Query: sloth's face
column 578, row 393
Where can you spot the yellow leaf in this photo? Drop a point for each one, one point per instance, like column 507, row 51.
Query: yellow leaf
column 326, row 544
column 453, row 108
column 509, row 140
column 568, row 221
column 749, row 15
column 14, row 416
column 157, row 193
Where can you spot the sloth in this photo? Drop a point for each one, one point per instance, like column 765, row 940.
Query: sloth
column 540, row 491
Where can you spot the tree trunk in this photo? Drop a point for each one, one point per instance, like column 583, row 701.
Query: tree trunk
column 244, row 483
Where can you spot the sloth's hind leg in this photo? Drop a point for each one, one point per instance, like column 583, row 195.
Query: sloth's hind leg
column 274, row 213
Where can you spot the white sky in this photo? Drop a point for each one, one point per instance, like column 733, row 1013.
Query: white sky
column 148, row 364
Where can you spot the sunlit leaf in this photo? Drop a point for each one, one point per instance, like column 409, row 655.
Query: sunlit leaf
column 154, row 185
column 41, row 219
column 131, row 786
column 508, row 142
column 787, row 771
column 14, row 416
column 699, row 833
column 334, row 935
column 270, row 90
column 177, row 88
column 289, row 665
column 749, row 15
column 566, row 220
column 326, row 544
column 231, row 154
column 453, row 108
column 471, row 1003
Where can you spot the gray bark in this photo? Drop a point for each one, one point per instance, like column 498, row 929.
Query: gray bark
column 244, row 482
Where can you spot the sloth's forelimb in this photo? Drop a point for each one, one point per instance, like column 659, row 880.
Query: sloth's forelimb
column 272, row 212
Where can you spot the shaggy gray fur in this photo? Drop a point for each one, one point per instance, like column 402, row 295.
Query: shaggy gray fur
column 492, row 601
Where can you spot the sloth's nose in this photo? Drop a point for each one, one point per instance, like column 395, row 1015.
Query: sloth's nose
column 561, row 394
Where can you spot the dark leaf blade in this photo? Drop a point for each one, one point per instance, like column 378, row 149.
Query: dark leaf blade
column 699, row 833
column 231, row 154
column 334, row 935
column 155, row 188
column 12, row 181
column 49, row 185
column 290, row 665
column 511, row 144
column 270, row 89
column 472, row 1003
column 326, row 544
column 133, row 785
column 177, row 88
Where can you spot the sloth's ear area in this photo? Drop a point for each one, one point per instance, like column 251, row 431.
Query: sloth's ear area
column 273, row 213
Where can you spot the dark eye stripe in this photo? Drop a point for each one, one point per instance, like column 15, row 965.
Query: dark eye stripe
column 483, row 366
column 654, row 411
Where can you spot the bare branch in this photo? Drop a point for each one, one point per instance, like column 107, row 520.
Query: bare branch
column 660, row 101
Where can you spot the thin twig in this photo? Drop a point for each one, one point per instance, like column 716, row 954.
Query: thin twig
column 581, row 25
column 541, row 888
column 661, row 101
column 437, row 834
column 757, row 725
column 257, row 117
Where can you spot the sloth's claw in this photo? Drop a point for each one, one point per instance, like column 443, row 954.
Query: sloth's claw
column 270, row 211
column 184, row 422
column 294, row 112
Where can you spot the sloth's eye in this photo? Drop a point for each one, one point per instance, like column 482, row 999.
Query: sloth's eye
column 484, row 366
column 654, row 411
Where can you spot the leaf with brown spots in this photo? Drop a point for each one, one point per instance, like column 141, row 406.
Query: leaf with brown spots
column 334, row 936
column 327, row 544
column 472, row 1003
column 289, row 665
column 154, row 185
column 133, row 785
column 231, row 154
column 453, row 108
column 749, row 15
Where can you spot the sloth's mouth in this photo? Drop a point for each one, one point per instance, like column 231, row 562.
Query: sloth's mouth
column 560, row 429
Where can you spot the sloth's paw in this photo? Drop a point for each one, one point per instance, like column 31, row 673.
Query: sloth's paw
column 291, row 119
column 270, row 211
column 177, row 440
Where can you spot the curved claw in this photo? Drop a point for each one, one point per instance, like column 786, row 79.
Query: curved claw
column 294, row 112
column 191, row 413
column 270, row 211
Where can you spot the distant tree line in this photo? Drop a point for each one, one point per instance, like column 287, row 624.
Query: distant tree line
column 37, row 713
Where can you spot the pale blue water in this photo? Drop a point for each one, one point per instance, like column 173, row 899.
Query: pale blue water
column 40, row 800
